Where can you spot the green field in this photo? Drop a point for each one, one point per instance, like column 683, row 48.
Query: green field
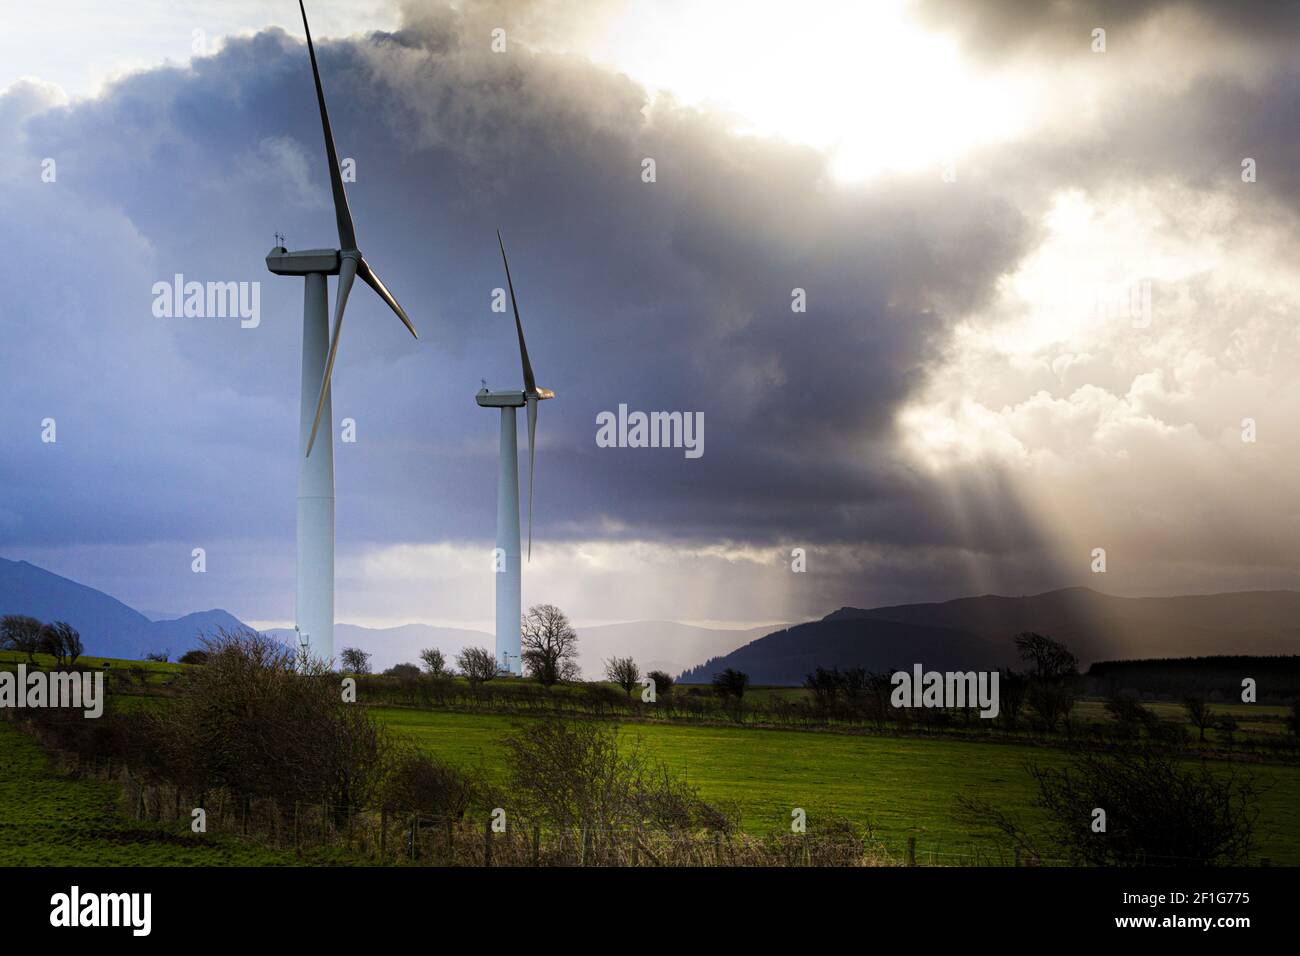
column 900, row 786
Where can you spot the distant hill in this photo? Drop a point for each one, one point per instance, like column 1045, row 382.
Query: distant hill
column 663, row 645
column 108, row 627
column 398, row 645
column 182, row 633
column 658, row 645
column 978, row 631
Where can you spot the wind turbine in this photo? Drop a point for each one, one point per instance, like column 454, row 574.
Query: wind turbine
column 509, row 604
column 315, row 590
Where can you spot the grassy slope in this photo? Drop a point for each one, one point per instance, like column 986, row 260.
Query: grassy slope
column 903, row 787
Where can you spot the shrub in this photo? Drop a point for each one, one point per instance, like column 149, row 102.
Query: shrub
column 262, row 723
column 663, row 682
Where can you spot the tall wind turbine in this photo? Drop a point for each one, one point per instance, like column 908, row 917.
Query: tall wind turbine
column 315, row 593
column 509, row 604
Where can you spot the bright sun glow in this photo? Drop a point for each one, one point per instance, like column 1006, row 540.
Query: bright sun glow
column 859, row 82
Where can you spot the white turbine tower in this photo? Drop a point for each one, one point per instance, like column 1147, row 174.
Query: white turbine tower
column 315, row 592
column 509, row 604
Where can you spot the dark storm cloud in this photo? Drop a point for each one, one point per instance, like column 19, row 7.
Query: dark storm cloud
column 666, row 296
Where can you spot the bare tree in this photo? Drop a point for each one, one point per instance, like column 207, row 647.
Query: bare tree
column 549, row 645
column 477, row 664
column 61, row 641
column 1013, row 686
column 355, row 660
column 435, row 665
column 21, row 633
column 72, row 644
column 1054, row 670
column 1199, row 713
column 1049, row 659
column 623, row 672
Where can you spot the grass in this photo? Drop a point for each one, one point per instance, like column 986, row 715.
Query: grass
column 900, row 786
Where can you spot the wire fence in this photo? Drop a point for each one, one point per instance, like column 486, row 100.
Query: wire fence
column 399, row 836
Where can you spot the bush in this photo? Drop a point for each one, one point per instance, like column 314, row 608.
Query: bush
column 255, row 720
column 409, row 671
column 731, row 683
column 1158, row 811
column 579, row 778
column 419, row 782
column 663, row 682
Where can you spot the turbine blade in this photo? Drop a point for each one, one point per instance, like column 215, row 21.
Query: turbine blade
column 532, row 435
column 347, row 272
column 372, row 280
column 347, row 235
column 530, row 384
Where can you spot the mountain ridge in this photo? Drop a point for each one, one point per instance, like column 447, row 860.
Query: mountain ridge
column 979, row 632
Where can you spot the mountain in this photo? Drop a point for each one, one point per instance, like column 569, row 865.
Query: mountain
column 978, row 632
column 108, row 627
column 182, row 633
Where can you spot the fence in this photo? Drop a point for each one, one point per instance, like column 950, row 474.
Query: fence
column 392, row 836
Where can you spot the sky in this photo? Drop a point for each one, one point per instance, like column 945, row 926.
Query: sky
column 1048, row 285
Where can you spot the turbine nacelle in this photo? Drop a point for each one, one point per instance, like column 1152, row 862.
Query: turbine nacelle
column 282, row 262
column 510, row 398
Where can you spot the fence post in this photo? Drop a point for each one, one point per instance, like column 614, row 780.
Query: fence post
column 414, row 825
column 911, row 851
column 582, row 854
column 487, row 843
column 537, row 844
